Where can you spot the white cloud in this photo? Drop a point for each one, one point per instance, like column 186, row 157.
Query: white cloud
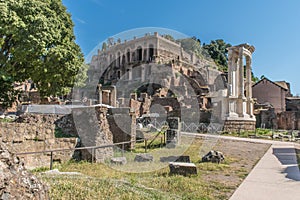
column 80, row 20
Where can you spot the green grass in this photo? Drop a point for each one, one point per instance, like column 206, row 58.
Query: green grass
column 101, row 182
column 6, row 120
column 298, row 156
column 59, row 133
column 104, row 181
column 259, row 133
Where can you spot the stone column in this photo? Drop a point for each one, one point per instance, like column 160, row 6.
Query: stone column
column 234, row 74
column 142, row 73
column 249, row 87
column 241, row 74
column 248, row 77
column 239, row 116
column 148, row 54
column 113, row 96
column 240, row 88
column 230, row 92
column 130, row 74
column 100, row 93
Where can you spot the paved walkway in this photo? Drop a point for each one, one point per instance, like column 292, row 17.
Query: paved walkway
column 276, row 176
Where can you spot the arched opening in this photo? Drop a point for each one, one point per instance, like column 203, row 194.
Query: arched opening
column 128, row 55
column 139, row 54
column 151, row 52
column 119, row 74
column 145, row 55
column 123, row 59
column 119, row 59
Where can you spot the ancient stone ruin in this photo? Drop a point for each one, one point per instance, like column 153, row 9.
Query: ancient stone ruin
column 238, row 104
column 213, row 156
column 16, row 182
column 159, row 69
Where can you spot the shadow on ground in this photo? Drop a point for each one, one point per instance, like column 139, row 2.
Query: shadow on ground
column 287, row 157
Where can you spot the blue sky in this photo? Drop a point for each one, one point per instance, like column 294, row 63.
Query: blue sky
column 272, row 26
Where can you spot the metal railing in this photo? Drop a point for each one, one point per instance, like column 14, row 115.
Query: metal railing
column 92, row 148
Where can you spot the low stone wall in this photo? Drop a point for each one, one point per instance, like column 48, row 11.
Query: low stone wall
column 85, row 127
column 237, row 126
column 63, row 122
column 29, row 137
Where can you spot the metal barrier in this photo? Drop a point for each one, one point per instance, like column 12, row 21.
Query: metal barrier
column 92, row 148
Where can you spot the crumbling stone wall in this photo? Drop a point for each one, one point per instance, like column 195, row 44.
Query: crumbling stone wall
column 15, row 181
column 32, row 137
column 122, row 124
column 289, row 120
column 63, row 122
column 86, row 126
column 93, row 129
column 266, row 119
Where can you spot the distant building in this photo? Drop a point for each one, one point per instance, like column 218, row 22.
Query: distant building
column 273, row 93
column 275, row 107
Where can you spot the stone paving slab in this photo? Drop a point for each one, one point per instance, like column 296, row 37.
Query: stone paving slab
column 276, row 176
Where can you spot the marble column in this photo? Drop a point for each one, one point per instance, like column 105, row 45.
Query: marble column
column 249, row 87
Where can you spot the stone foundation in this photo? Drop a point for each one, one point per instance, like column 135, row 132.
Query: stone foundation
column 238, row 125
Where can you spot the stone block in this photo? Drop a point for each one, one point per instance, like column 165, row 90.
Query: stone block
column 143, row 158
column 185, row 159
column 118, row 160
column 182, row 168
column 213, row 156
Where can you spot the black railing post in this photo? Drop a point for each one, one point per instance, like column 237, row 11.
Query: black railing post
column 93, row 154
column 51, row 160
column 123, row 150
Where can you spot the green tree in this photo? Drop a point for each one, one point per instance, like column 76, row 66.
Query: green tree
column 217, row 50
column 37, row 42
column 104, row 46
column 169, row 37
column 192, row 45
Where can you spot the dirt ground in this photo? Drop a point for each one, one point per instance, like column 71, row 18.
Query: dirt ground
column 240, row 158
